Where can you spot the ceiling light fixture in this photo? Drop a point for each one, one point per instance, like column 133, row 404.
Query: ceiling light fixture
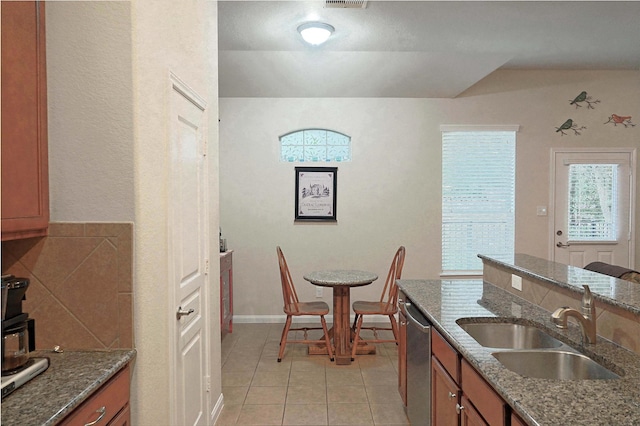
column 315, row 33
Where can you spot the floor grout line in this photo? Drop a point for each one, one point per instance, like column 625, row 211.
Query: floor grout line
column 382, row 364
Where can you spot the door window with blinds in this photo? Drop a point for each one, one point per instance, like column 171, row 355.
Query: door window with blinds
column 478, row 196
column 592, row 202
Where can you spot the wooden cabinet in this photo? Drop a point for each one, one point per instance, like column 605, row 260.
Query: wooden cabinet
column 402, row 357
column 459, row 395
column 226, row 292
column 445, row 395
column 109, row 405
column 25, row 175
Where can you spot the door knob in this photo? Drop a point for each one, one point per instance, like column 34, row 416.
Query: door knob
column 562, row 245
column 183, row 312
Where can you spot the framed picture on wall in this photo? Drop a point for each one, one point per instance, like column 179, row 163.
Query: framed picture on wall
column 316, row 193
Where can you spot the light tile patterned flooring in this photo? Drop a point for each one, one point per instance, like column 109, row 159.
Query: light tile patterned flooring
column 303, row 389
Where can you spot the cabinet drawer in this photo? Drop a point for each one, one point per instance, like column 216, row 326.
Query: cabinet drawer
column 446, row 354
column 110, row 399
column 488, row 403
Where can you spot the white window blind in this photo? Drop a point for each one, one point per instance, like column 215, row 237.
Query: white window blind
column 478, row 198
column 592, row 194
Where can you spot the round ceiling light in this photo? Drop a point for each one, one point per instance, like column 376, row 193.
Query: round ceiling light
column 315, row 33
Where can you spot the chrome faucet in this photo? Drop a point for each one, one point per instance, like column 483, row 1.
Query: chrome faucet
column 586, row 318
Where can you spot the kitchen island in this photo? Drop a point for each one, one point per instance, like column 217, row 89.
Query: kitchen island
column 536, row 401
column 72, row 378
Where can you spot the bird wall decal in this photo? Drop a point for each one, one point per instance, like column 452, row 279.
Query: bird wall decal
column 584, row 97
column 569, row 125
column 625, row 120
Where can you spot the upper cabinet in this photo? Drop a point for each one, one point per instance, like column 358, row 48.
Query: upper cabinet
column 25, row 175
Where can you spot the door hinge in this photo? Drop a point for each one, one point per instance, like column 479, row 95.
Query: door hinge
column 208, row 383
column 206, row 267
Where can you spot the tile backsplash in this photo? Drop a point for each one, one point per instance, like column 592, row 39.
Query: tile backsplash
column 81, row 293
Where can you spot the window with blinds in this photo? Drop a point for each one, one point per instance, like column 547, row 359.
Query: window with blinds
column 592, row 195
column 478, row 198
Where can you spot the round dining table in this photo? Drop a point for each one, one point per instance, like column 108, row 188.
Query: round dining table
column 341, row 281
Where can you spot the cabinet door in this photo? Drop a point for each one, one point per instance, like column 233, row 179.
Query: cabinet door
column 468, row 414
column 484, row 398
column 445, row 396
column 402, row 358
column 25, row 176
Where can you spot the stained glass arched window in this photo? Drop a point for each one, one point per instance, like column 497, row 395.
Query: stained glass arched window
column 315, row 145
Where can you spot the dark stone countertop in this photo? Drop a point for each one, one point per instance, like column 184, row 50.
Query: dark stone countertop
column 537, row 401
column 71, row 378
column 614, row 291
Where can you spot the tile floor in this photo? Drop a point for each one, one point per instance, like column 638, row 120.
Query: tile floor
column 303, row 389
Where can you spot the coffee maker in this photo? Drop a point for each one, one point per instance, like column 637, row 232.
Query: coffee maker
column 18, row 337
column 18, row 330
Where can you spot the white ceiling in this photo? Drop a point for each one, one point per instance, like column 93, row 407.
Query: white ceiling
column 421, row 49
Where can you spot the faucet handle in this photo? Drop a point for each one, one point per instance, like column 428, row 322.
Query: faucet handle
column 587, row 297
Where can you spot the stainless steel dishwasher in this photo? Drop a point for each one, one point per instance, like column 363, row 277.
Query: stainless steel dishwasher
column 418, row 365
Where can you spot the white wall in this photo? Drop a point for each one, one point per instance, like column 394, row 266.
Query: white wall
column 108, row 82
column 177, row 37
column 90, row 111
column 390, row 194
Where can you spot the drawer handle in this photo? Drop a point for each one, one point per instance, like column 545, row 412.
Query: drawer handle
column 102, row 411
column 452, row 395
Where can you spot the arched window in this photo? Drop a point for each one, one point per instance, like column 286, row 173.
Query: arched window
column 315, row 145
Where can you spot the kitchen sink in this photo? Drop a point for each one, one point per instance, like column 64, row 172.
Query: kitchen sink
column 553, row 364
column 509, row 335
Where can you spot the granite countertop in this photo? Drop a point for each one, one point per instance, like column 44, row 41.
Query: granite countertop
column 537, row 401
column 72, row 376
column 621, row 293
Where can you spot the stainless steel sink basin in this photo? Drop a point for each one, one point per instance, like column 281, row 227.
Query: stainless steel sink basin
column 552, row 364
column 510, row 336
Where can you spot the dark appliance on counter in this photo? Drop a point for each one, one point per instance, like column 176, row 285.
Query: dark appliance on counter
column 418, row 363
column 18, row 337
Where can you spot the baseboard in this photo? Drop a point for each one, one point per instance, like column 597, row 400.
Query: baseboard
column 275, row 319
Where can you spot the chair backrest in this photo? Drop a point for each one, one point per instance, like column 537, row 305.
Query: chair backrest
column 390, row 291
column 289, row 295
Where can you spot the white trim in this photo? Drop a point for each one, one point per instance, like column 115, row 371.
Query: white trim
column 632, row 152
column 217, row 410
column 479, row 128
column 280, row 319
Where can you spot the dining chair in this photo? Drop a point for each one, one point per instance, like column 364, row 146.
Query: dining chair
column 294, row 308
column 388, row 305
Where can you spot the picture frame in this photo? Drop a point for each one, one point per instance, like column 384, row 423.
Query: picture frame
column 316, row 194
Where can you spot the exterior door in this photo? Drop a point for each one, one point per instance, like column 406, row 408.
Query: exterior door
column 593, row 198
column 188, row 233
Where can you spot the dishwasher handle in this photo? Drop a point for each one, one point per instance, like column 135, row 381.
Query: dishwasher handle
column 416, row 318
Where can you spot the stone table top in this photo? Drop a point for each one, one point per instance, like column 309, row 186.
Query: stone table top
column 341, row 277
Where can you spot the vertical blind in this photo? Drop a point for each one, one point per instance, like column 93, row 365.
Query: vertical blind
column 478, row 198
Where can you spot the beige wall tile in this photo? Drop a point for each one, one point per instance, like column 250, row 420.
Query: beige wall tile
column 80, row 292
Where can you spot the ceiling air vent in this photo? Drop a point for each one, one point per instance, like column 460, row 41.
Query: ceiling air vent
column 345, row 4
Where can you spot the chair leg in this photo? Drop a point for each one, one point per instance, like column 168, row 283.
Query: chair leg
column 394, row 328
column 326, row 337
column 283, row 339
column 355, row 321
column 356, row 339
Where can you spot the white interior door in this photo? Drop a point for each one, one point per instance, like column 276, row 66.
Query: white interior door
column 188, row 248
column 593, row 198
